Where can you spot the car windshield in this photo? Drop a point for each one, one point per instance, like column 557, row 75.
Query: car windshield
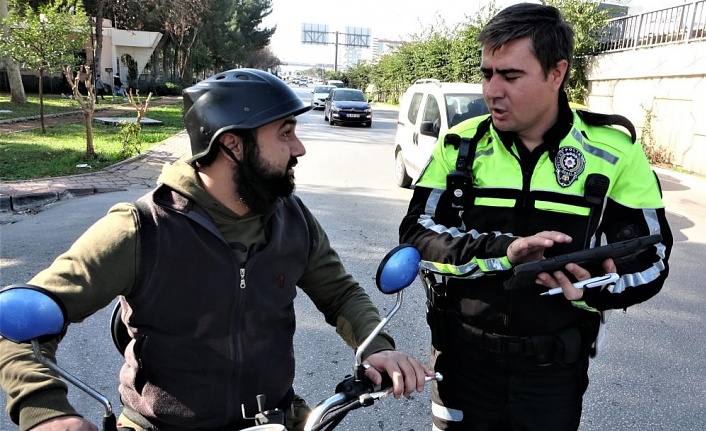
column 461, row 107
column 349, row 95
column 323, row 88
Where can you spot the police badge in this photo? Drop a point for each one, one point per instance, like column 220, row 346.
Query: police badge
column 568, row 164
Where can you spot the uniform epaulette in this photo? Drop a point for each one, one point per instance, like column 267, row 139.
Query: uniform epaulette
column 596, row 119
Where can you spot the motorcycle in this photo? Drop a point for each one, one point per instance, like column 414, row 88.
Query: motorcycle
column 30, row 314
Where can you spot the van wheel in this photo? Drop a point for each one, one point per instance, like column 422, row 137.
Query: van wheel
column 402, row 178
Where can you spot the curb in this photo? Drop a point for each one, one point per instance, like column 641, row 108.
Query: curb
column 39, row 117
column 31, row 201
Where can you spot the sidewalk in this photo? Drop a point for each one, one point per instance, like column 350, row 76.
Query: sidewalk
column 141, row 170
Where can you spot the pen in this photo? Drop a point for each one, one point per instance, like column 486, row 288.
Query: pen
column 587, row 284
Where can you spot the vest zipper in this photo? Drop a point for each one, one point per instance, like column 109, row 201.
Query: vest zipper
column 234, row 402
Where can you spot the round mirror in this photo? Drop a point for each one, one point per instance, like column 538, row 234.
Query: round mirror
column 398, row 269
column 28, row 312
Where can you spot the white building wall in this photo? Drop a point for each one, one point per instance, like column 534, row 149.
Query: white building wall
column 669, row 80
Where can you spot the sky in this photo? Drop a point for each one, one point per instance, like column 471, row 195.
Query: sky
column 387, row 19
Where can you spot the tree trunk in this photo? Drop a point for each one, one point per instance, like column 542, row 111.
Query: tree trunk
column 98, row 49
column 41, row 100
column 17, row 89
column 88, row 119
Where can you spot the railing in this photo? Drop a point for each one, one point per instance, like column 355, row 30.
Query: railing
column 678, row 24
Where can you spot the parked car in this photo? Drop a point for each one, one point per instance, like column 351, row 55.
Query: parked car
column 428, row 109
column 318, row 96
column 347, row 105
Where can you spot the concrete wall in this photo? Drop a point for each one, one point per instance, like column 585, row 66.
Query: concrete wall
column 669, row 81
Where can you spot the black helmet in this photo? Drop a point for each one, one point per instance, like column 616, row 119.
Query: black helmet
column 236, row 99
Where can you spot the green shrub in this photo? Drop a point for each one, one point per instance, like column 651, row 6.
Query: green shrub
column 169, row 88
column 130, row 138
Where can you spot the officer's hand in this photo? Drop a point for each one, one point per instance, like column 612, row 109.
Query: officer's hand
column 65, row 423
column 561, row 280
column 531, row 248
column 407, row 373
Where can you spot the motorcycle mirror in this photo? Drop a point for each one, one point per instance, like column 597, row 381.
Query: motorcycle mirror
column 30, row 312
column 398, row 269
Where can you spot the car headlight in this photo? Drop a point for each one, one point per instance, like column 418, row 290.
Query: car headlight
column 335, row 109
column 369, row 110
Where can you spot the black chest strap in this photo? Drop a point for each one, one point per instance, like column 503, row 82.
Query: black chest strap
column 459, row 182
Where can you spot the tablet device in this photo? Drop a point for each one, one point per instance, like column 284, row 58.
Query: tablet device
column 525, row 273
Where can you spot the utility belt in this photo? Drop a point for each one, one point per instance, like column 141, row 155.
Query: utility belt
column 292, row 412
column 450, row 333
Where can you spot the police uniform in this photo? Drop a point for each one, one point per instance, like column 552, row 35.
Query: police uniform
column 514, row 357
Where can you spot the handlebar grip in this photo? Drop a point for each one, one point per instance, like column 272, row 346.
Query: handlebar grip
column 386, row 380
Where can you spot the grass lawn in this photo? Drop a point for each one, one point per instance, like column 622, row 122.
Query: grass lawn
column 53, row 104
column 31, row 155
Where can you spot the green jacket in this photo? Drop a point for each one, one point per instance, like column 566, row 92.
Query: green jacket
column 102, row 264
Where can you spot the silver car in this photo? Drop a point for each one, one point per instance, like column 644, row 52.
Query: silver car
column 319, row 95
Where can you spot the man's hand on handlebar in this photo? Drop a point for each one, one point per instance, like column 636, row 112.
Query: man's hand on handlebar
column 65, row 423
column 407, row 373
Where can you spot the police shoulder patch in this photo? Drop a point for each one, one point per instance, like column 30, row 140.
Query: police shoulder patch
column 568, row 165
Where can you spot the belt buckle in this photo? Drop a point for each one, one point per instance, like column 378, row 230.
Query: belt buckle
column 514, row 346
column 493, row 343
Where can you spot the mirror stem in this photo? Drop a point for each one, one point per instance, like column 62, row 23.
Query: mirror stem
column 75, row 381
column 358, row 369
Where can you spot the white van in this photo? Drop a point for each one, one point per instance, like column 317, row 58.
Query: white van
column 428, row 109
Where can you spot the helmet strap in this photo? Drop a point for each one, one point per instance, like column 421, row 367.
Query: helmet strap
column 229, row 152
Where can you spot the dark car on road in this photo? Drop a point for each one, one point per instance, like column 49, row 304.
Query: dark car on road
column 347, row 105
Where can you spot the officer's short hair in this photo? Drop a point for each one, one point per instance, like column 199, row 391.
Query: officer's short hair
column 552, row 36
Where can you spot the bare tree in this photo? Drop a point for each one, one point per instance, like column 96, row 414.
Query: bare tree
column 87, row 104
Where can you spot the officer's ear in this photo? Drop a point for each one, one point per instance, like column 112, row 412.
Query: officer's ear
column 557, row 73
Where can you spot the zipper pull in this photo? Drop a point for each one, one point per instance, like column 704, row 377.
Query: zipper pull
column 242, row 278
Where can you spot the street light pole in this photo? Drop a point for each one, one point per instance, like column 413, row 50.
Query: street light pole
column 335, row 60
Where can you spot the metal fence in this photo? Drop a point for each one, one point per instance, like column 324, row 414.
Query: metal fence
column 678, row 24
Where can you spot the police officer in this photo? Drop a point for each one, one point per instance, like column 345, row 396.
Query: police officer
column 206, row 267
column 530, row 180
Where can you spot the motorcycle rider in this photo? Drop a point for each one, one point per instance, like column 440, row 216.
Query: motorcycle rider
column 206, row 268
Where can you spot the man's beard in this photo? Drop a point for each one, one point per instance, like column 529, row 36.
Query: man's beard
column 258, row 186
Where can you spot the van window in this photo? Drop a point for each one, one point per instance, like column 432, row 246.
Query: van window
column 432, row 113
column 336, row 83
column 414, row 107
column 471, row 106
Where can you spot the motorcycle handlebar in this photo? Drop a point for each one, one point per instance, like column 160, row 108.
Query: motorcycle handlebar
column 352, row 394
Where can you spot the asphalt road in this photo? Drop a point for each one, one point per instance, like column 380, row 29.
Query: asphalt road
column 649, row 377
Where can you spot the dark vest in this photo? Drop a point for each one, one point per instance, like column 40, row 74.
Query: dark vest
column 205, row 340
